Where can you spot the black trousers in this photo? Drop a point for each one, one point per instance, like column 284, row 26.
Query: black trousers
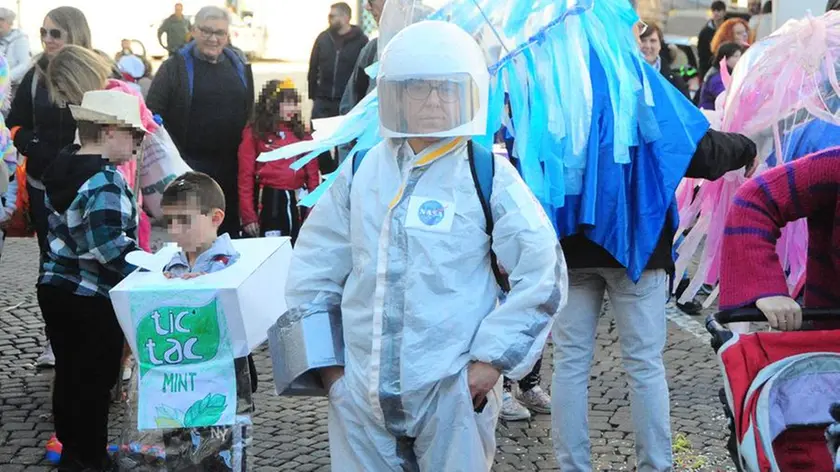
column 225, row 174
column 38, row 215
column 88, row 345
column 529, row 381
column 280, row 212
column 325, row 108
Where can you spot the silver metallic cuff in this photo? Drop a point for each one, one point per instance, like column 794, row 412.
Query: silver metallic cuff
column 303, row 340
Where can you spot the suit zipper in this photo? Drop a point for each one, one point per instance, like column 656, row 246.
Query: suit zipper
column 335, row 72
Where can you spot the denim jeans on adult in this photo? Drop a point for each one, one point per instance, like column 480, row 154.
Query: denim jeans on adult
column 639, row 311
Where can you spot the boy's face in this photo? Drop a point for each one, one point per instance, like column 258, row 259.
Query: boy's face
column 190, row 229
column 121, row 144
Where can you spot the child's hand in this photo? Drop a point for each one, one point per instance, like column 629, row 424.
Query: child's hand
column 169, row 275
column 193, row 275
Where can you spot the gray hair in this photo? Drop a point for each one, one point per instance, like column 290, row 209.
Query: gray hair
column 211, row 13
column 7, row 14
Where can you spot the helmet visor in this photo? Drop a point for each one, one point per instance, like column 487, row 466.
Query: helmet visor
column 427, row 106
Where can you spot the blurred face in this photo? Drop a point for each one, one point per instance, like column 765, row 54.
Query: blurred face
column 740, row 34
column 337, row 19
column 190, row 229
column 430, row 104
column 211, row 37
column 179, row 9
column 5, row 26
column 52, row 37
column 718, row 15
column 125, row 44
column 289, row 109
column 733, row 60
column 651, row 46
column 375, row 8
column 121, row 144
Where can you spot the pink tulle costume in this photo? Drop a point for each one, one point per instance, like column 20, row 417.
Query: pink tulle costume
column 783, row 94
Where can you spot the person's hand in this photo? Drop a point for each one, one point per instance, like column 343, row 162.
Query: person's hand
column 169, row 275
column 783, row 313
column 252, row 229
column 481, row 377
column 331, row 375
column 192, row 275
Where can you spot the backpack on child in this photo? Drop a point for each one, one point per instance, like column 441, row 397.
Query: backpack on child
column 482, row 168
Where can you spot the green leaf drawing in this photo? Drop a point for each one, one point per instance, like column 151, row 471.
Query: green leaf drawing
column 205, row 412
column 168, row 417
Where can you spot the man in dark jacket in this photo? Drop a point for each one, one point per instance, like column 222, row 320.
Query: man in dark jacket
column 331, row 63
column 205, row 94
column 176, row 28
column 704, row 39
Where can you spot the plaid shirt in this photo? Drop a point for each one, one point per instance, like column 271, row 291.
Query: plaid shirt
column 88, row 242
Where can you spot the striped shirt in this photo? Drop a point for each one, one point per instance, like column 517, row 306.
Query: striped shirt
column 750, row 267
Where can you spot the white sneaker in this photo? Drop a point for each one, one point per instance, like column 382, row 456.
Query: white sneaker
column 47, row 358
column 536, row 400
column 512, row 410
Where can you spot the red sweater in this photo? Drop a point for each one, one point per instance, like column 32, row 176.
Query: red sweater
column 276, row 174
column 806, row 188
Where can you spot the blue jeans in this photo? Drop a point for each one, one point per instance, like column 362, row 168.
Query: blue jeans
column 639, row 311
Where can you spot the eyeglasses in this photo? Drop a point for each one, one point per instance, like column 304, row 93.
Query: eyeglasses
column 53, row 33
column 447, row 90
column 207, row 33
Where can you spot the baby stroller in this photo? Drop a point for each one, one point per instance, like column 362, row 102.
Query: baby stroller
column 778, row 392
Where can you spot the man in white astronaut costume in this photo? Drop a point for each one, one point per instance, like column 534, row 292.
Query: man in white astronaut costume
column 400, row 252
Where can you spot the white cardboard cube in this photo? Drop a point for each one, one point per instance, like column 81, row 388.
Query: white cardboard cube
column 250, row 291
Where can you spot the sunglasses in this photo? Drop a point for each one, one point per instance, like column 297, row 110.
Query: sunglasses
column 52, row 33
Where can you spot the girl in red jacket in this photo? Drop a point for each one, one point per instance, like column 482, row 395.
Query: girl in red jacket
column 269, row 188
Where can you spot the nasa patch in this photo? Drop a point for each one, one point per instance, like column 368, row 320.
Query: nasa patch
column 430, row 214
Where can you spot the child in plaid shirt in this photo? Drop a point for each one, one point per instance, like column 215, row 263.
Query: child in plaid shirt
column 92, row 226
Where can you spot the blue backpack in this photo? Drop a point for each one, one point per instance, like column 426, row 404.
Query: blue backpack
column 482, row 168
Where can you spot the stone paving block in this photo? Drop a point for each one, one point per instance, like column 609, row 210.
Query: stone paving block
column 291, row 433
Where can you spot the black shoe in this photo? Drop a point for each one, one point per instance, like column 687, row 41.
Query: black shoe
column 692, row 307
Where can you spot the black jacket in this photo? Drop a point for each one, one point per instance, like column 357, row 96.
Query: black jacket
column 716, row 154
column 676, row 80
column 170, row 95
column 45, row 128
column 332, row 62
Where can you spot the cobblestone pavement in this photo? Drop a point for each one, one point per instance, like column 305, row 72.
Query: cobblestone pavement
column 291, row 433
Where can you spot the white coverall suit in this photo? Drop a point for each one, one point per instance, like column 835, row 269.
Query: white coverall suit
column 401, row 250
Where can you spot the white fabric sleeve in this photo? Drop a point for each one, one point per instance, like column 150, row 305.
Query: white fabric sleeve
column 513, row 335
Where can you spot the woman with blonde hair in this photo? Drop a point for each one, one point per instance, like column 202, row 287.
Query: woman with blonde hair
column 41, row 128
column 75, row 71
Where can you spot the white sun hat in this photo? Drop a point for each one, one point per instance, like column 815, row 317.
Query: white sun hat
column 109, row 107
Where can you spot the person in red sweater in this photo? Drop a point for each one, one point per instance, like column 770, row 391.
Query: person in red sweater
column 751, row 272
column 271, row 187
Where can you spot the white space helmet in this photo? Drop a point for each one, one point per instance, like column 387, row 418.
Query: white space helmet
column 432, row 82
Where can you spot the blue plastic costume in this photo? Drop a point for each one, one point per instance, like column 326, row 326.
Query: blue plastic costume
column 612, row 179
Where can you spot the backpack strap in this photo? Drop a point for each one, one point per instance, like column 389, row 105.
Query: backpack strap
column 483, row 169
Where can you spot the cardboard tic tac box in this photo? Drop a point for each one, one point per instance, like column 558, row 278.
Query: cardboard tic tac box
column 185, row 334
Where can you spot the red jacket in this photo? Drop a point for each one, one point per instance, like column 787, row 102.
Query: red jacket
column 276, row 174
column 805, row 188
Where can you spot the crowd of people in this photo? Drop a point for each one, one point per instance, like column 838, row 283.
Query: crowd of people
column 400, row 256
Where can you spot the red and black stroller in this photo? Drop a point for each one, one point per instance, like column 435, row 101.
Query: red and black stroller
column 778, row 392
